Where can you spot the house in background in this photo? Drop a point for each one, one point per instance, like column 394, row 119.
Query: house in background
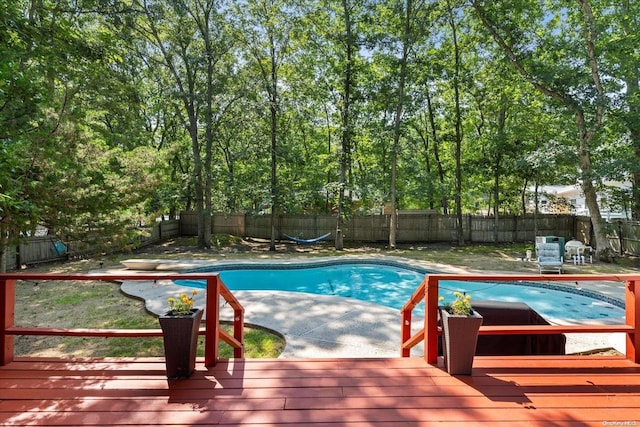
column 563, row 199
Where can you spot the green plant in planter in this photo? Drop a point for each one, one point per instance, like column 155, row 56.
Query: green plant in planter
column 461, row 305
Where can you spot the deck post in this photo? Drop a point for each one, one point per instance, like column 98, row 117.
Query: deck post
column 405, row 332
column 632, row 305
column 7, row 319
column 431, row 320
column 238, row 332
column 212, row 321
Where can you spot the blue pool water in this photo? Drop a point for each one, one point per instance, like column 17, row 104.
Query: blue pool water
column 392, row 286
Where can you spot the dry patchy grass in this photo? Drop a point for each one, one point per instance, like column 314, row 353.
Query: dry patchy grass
column 89, row 304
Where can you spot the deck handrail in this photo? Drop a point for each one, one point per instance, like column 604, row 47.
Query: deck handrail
column 428, row 292
column 215, row 289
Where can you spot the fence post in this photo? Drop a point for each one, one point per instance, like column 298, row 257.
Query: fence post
column 620, row 237
column 7, row 319
column 632, row 305
column 18, row 257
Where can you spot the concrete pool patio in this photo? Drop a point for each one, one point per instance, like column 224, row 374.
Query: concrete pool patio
column 328, row 326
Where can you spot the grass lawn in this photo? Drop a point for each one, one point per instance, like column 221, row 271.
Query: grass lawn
column 102, row 305
column 85, row 304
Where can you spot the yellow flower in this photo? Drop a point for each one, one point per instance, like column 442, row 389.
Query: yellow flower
column 461, row 305
column 182, row 305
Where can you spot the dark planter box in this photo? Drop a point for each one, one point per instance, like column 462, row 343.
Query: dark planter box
column 180, row 335
column 460, row 336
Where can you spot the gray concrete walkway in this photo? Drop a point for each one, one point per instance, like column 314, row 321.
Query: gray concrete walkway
column 329, row 326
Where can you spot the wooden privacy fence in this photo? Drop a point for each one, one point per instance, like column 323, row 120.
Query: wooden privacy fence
column 51, row 248
column 422, row 226
column 624, row 237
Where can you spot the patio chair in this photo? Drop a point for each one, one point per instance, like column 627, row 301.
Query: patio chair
column 549, row 257
column 577, row 251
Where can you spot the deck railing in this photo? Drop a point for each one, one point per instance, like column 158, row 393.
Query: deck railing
column 428, row 292
column 211, row 331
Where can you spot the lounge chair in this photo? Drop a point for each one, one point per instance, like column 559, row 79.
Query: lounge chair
column 549, row 257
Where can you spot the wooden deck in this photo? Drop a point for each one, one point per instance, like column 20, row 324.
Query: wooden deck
column 538, row 391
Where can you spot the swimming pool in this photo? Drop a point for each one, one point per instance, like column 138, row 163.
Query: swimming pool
column 392, row 286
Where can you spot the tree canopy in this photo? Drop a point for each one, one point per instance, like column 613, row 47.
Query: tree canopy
column 114, row 113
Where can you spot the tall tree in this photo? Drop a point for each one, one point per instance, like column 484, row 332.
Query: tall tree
column 189, row 39
column 57, row 82
column 452, row 20
column 265, row 29
column 407, row 40
column 623, row 56
column 348, row 82
column 542, row 45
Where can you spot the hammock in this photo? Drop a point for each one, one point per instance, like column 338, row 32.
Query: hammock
column 307, row 241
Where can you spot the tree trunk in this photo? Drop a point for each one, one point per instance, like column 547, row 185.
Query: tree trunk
column 273, row 108
column 458, row 153
column 198, row 184
column 393, row 224
column 427, row 162
column 393, row 214
column 602, row 243
column 536, row 208
column 345, row 154
column 436, row 154
column 523, row 197
column 185, row 79
column 208, row 155
column 502, row 118
column 4, row 246
column 590, row 195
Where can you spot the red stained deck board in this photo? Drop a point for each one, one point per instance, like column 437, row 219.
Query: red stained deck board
column 402, row 417
column 471, row 402
column 144, row 405
column 321, row 392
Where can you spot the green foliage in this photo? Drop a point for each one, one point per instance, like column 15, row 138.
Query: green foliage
column 58, row 127
column 460, row 306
